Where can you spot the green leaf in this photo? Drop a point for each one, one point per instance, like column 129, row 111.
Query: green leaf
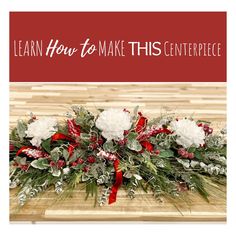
column 85, row 136
column 134, row 145
column 203, row 121
column 108, row 146
column 153, row 140
column 79, row 120
column 40, row 164
column 131, row 136
column 91, row 189
column 65, row 154
column 163, row 163
column 46, row 144
column 21, row 128
column 151, row 167
column 20, row 160
column 55, row 154
column 73, row 157
column 199, row 185
column 127, row 174
column 146, row 155
column 191, row 149
column 198, row 155
column 166, row 154
column 56, row 172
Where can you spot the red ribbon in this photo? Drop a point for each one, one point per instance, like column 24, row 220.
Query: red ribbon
column 31, row 152
column 147, row 145
column 163, row 130
column 141, row 124
column 117, row 184
column 73, row 128
column 71, row 148
column 23, row 150
column 60, row 136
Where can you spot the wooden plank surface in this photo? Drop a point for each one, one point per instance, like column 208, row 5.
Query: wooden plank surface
column 201, row 100
column 144, row 207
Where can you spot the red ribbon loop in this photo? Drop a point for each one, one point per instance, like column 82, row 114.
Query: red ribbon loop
column 118, row 182
column 141, row 124
column 32, row 152
column 60, row 136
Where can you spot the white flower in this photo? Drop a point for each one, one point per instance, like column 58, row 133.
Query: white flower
column 113, row 122
column 188, row 133
column 41, row 129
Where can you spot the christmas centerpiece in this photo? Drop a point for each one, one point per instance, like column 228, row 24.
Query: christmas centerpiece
column 115, row 149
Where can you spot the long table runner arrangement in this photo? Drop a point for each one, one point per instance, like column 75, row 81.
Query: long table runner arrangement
column 100, row 153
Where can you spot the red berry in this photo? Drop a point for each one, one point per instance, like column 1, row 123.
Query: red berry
column 91, row 159
column 11, row 147
column 157, row 152
column 93, row 146
column 60, row 164
column 74, row 163
column 126, row 132
column 80, row 161
column 100, row 141
column 24, row 167
column 86, row 169
column 190, row 155
column 125, row 110
column 210, row 131
column 52, row 163
column 181, row 151
column 122, row 142
column 185, row 155
column 93, row 138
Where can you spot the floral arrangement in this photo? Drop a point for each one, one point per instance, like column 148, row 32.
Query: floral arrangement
column 116, row 148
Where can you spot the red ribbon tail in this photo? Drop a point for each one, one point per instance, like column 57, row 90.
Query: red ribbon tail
column 71, row 148
column 117, row 184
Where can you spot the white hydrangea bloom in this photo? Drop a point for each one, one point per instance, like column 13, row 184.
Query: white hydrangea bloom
column 113, row 122
column 41, row 129
column 188, row 133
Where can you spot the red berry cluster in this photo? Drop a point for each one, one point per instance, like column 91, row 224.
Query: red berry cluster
column 86, row 169
column 91, row 159
column 122, row 142
column 126, row 132
column 59, row 164
column 79, row 161
column 206, row 128
column 24, row 167
column 185, row 154
column 95, row 142
column 11, row 147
